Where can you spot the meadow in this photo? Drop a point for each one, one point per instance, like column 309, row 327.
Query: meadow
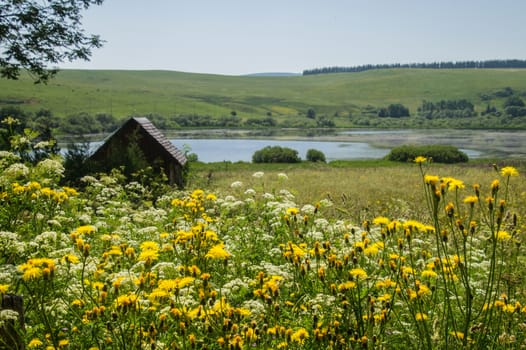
column 359, row 255
column 345, row 98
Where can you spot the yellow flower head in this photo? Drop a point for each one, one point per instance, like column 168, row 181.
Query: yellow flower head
column 86, row 229
column 431, row 179
column 292, row 211
column 381, row 220
column 299, row 336
column 471, row 200
column 509, row 171
column 358, row 273
column 420, row 316
column 503, row 236
column 420, row 159
column 218, row 252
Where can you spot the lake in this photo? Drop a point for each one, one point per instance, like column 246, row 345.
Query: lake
column 228, row 145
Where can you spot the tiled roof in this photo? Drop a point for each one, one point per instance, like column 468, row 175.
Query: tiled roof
column 161, row 139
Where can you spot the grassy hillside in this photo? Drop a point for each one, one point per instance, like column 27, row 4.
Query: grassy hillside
column 338, row 96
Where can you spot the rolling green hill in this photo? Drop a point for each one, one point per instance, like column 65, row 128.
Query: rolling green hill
column 347, row 98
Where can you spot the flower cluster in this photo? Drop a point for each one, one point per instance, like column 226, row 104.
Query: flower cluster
column 254, row 269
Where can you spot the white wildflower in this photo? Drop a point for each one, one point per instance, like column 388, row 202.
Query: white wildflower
column 268, row 196
column 50, row 167
column 308, row 209
column 42, row 145
column 283, row 176
column 250, row 192
column 258, row 174
column 236, row 184
column 256, row 307
column 7, row 315
column 16, row 170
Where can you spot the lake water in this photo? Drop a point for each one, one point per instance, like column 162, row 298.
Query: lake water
column 234, row 150
column 240, row 145
column 354, row 144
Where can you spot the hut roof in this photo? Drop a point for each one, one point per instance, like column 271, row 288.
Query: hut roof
column 161, row 139
column 154, row 134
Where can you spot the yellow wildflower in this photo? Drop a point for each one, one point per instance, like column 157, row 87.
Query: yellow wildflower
column 292, row 211
column 428, row 274
column 471, row 200
column 509, row 171
column 420, row 159
column 149, row 245
column 358, row 273
column 421, row 316
column 218, row 252
column 346, row 286
column 503, row 236
column 381, row 220
column 4, row 288
column 299, row 336
column 35, row 343
column 431, row 179
column 148, row 256
column 86, row 229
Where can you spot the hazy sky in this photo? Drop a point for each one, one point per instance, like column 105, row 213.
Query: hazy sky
column 247, row 36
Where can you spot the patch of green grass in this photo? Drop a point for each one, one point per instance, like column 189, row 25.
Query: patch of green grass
column 125, row 93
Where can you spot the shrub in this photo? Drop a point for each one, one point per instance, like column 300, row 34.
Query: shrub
column 276, row 154
column 439, row 153
column 314, row 155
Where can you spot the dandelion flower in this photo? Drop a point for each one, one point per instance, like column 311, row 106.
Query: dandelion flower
column 148, row 255
column 149, row 245
column 503, row 236
column 431, row 179
column 4, row 288
column 218, row 252
column 420, row 159
column 428, row 274
column 421, row 316
column 86, row 229
column 292, row 211
column 299, row 336
column 471, row 200
column 358, row 273
column 381, row 220
column 509, row 171
column 35, row 343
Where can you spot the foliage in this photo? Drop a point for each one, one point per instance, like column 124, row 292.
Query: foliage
column 254, row 268
column 434, row 65
column 314, row 155
column 394, row 110
column 276, row 154
column 28, row 144
column 438, row 153
column 37, row 34
column 447, row 109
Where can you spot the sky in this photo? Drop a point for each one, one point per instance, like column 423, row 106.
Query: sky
column 237, row 37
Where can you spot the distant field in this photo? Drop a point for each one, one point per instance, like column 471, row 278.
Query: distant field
column 125, row 93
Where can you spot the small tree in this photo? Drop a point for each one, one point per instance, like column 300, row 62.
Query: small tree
column 314, row 155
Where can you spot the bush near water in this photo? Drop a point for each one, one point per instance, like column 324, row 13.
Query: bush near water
column 437, row 153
